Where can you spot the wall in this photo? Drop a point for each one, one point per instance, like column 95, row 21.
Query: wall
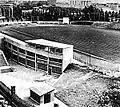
column 95, row 62
column 67, row 57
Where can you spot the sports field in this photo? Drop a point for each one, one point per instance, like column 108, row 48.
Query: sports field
column 99, row 42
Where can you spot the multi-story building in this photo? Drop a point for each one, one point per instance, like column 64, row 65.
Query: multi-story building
column 39, row 54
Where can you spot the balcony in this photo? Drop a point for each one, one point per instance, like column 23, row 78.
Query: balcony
column 41, row 61
column 21, row 55
column 42, row 52
column 54, row 55
column 30, row 58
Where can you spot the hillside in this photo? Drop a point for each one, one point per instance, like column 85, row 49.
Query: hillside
column 78, row 88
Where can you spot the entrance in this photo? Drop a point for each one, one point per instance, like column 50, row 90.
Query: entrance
column 50, row 70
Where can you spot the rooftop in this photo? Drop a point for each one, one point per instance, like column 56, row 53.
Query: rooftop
column 42, row 89
column 48, row 43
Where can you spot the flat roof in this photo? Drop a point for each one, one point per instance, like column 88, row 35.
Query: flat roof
column 49, row 43
column 41, row 90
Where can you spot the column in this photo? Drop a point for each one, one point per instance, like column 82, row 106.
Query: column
column 48, row 60
column 35, row 59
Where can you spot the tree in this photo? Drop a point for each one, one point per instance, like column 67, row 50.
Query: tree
column 110, row 97
column 17, row 12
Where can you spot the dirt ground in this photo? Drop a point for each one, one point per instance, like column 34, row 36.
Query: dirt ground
column 29, row 74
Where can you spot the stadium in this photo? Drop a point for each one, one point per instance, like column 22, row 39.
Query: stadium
column 98, row 48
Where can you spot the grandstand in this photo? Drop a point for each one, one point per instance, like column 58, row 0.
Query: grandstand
column 99, row 45
column 39, row 54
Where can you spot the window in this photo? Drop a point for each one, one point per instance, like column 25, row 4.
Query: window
column 59, row 51
column 47, row 98
column 56, row 60
column 31, row 63
column 41, row 47
column 42, row 66
column 42, row 61
column 9, row 45
column 31, row 45
column 31, row 58
column 21, row 50
column 56, row 70
column 41, row 57
column 14, row 57
column 14, row 47
column 30, row 53
column 5, row 43
column 21, row 60
column 35, row 96
column 52, row 50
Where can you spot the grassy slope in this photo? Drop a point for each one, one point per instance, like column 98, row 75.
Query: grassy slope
column 76, row 92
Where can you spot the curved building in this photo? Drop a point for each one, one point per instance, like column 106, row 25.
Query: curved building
column 39, row 54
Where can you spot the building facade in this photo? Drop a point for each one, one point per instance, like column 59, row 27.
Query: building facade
column 6, row 10
column 39, row 54
column 42, row 95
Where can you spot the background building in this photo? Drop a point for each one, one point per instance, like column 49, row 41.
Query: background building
column 73, row 3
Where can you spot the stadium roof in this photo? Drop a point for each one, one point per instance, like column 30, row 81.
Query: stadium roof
column 99, row 42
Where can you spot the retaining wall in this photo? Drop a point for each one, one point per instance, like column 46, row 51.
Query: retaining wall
column 95, row 62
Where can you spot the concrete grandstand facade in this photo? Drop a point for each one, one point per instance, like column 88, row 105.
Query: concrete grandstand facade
column 39, row 54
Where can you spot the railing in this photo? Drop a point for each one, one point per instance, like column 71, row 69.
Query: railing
column 55, row 63
column 52, row 55
column 41, row 61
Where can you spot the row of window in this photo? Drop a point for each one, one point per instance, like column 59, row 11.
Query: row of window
column 31, row 55
column 52, row 61
column 45, row 48
column 15, row 48
column 42, row 66
column 74, row 2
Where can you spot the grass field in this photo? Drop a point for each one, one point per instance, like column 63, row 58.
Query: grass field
column 99, row 42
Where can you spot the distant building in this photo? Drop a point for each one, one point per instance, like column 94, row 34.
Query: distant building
column 52, row 2
column 7, row 10
column 113, row 6
column 73, row 3
column 105, row 1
